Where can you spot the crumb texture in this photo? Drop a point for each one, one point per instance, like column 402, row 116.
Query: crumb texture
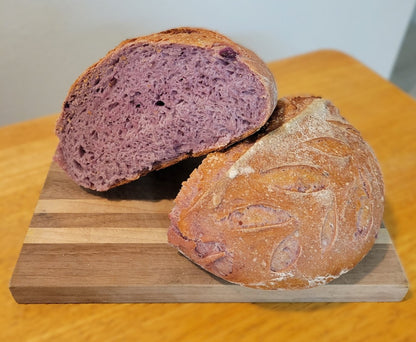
column 295, row 208
column 147, row 105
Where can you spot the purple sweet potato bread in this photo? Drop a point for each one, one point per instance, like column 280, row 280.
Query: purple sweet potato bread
column 155, row 100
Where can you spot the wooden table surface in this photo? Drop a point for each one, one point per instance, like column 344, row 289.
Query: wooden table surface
column 387, row 119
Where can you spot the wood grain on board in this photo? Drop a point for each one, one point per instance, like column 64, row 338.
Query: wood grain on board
column 86, row 246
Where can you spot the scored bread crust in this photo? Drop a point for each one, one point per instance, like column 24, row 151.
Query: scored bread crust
column 294, row 207
column 197, row 37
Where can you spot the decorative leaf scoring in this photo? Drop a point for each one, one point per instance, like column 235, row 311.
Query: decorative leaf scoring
column 330, row 146
column 345, row 126
column 297, row 178
column 364, row 218
column 328, row 230
column 216, row 256
column 257, row 216
column 285, row 254
column 365, row 185
column 204, row 249
column 223, row 266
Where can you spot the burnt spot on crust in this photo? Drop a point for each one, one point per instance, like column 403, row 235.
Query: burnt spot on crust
column 179, row 30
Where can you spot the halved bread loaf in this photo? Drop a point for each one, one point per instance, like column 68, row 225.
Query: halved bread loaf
column 295, row 207
column 155, row 100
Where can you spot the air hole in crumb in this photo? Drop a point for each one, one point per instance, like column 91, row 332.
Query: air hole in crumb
column 160, row 103
column 66, row 105
column 81, row 151
column 112, row 105
column 77, row 165
column 138, row 105
column 112, row 82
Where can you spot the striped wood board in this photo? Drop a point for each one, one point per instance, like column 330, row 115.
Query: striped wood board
column 83, row 247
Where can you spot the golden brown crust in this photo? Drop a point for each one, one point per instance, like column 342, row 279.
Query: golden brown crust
column 295, row 208
column 203, row 38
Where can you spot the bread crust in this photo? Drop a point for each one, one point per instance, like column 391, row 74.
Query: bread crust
column 293, row 208
column 197, row 37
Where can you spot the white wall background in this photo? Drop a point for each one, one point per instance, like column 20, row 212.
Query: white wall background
column 46, row 44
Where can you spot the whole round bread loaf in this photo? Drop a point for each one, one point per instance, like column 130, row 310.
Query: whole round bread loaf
column 294, row 207
column 155, row 100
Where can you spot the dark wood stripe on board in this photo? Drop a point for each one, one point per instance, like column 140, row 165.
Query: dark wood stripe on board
column 104, row 220
column 84, row 246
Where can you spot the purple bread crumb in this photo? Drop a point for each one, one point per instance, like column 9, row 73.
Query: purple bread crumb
column 147, row 105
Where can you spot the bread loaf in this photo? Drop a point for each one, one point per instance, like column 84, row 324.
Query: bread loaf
column 155, row 100
column 295, row 207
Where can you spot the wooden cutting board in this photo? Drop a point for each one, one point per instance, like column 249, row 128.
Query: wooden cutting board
column 84, row 246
